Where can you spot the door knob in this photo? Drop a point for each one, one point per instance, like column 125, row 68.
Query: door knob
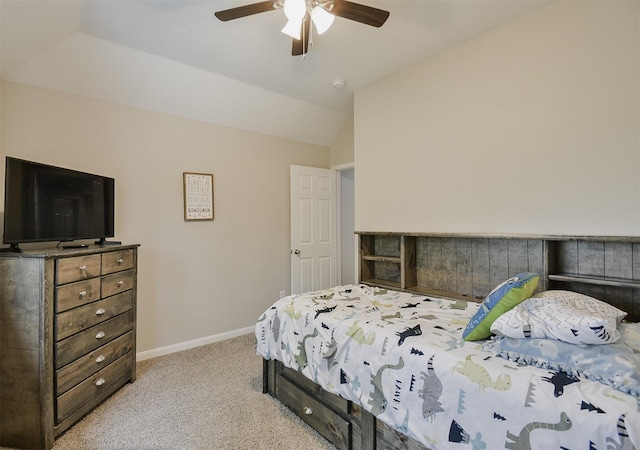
column 296, row 252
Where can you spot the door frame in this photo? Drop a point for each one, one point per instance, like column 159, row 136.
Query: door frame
column 339, row 168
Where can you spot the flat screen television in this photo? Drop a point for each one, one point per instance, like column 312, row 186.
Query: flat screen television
column 48, row 203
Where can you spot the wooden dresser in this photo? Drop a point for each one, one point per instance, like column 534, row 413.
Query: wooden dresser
column 67, row 337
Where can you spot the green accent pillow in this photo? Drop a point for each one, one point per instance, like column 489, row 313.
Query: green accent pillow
column 500, row 300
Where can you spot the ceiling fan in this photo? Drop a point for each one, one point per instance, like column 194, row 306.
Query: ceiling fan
column 302, row 13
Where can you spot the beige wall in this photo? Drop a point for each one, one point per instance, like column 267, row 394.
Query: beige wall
column 196, row 279
column 532, row 127
column 341, row 151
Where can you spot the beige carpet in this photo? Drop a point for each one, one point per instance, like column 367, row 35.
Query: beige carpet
column 209, row 397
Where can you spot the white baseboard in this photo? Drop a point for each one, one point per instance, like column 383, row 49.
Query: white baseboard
column 141, row 356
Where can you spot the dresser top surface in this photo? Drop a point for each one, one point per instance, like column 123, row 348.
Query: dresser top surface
column 55, row 252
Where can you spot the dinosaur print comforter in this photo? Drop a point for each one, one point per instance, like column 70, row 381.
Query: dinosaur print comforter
column 402, row 357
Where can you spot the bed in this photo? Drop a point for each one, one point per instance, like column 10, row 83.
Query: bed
column 373, row 367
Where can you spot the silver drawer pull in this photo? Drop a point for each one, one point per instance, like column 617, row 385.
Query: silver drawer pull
column 120, row 261
column 100, row 311
column 82, row 294
column 100, row 359
column 100, row 382
column 82, row 268
column 307, row 410
column 120, row 283
column 100, row 335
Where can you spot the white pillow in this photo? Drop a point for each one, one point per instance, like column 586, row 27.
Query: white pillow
column 562, row 315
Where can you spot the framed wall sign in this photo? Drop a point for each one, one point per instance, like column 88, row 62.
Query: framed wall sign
column 198, row 196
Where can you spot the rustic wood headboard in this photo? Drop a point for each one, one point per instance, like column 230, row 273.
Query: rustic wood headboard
column 470, row 265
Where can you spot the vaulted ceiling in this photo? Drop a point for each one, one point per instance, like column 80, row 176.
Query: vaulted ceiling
column 175, row 57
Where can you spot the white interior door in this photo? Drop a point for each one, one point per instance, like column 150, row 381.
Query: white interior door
column 313, row 229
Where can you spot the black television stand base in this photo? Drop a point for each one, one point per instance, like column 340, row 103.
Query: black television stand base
column 102, row 242
column 72, row 246
column 13, row 249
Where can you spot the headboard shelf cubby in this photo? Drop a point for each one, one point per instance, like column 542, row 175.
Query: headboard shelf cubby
column 468, row 266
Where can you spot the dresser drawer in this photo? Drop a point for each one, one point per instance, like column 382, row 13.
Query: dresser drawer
column 74, row 347
column 89, row 391
column 117, row 261
column 77, row 294
column 75, row 320
column 329, row 424
column 117, row 282
column 83, row 367
column 78, row 268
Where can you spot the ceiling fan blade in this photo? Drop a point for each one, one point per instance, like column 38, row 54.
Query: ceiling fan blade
column 301, row 46
column 360, row 13
column 246, row 10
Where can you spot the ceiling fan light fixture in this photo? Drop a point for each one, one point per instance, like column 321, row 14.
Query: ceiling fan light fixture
column 306, row 15
column 295, row 9
column 322, row 19
column 292, row 28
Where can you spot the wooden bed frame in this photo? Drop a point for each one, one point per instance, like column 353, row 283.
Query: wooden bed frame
column 459, row 266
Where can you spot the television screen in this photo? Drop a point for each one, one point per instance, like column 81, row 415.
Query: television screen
column 47, row 203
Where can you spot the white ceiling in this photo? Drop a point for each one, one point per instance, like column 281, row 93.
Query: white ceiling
column 174, row 56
